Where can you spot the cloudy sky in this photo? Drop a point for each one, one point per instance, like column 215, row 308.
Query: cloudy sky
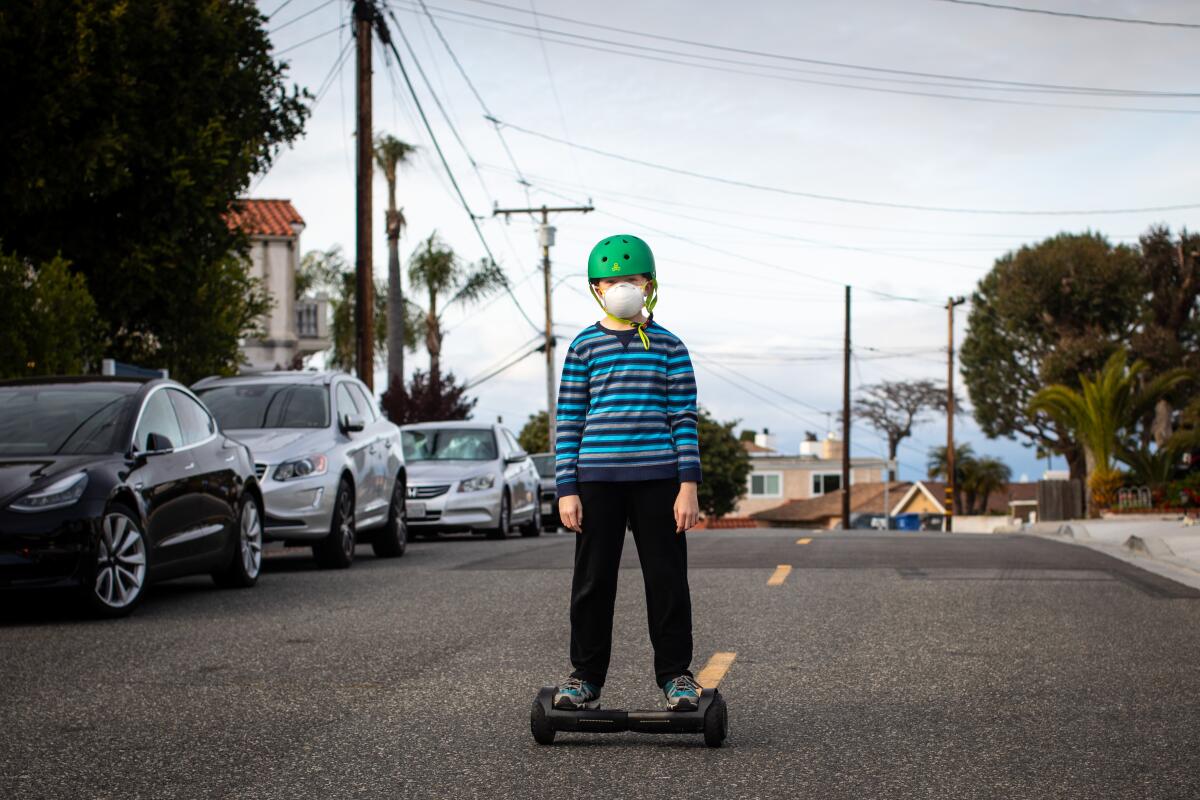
column 771, row 152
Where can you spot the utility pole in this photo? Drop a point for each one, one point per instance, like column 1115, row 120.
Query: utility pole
column 846, row 421
column 365, row 14
column 546, row 240
column 950, row 467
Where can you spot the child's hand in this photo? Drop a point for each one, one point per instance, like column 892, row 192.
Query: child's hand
column 687, row 507
column 570, row 511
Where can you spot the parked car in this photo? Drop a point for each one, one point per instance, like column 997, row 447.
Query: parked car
column 549, row 494
column 330, row 465
column 470, row 476
column 109, row 484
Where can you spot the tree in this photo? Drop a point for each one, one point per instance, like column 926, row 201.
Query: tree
column 1102, row 413
column 937, row 467
column 894, row 407
column 427, row 401
column 132, row 131
column 535, row 435
column 1169, row 334
column 328, row 271
column 49, row 319
column 1045, row 314
column 435, row 268
column 984, row 477
column 391, row 153
column 725, row 465
column 747, row 435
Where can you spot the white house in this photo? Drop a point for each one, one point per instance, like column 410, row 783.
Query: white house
column 293, row 328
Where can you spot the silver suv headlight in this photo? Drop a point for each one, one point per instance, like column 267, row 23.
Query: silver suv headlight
column 59, row 494
column 301, row 468
column 478, row 483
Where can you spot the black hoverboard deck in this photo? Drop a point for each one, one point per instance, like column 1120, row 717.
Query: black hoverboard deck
column 709, row 718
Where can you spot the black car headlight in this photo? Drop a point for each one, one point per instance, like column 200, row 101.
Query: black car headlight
column 60, row 494
column 301, row 468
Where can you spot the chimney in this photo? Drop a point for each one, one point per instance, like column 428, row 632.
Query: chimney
column 831, row 448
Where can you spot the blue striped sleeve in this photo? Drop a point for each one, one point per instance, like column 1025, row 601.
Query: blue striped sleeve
column 572, row 408
column 681, row 413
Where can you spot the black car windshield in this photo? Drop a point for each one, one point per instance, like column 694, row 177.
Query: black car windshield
column 448, row 444
column 62, row 419
column 545, row 465
column 268, row 405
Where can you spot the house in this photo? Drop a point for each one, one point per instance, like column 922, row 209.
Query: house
column 825, row 511
column 777, row 478
column 294, row 328
column 1016, row 501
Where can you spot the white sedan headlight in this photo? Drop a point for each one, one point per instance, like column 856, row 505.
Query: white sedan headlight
column 59, row 494
column 478, row 483
column 301, row 468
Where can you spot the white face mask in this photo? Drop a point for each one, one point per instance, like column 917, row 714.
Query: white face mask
column 624, row 300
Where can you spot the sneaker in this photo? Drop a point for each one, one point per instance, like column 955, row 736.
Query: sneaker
column 683, row 693
column 576, row 694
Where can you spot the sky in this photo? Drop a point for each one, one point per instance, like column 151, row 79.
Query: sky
column 770, row 152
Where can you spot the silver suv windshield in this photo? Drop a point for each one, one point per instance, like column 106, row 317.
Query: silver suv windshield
column 268, row 405
column 448, row 444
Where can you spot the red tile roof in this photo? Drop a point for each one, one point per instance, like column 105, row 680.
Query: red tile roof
column 264, row 217
column 751, row 447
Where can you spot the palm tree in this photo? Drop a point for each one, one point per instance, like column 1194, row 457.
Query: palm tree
column 1101, row 412
column 984, row 477
column 964, row 458
column 434, row 267
column 391, row 153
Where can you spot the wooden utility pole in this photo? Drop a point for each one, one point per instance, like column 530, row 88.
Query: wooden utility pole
column 365, row 14
column 950, row 466
column 846, row 420
column 546, row 240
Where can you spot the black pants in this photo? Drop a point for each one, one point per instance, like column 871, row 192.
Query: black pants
column 648, row 508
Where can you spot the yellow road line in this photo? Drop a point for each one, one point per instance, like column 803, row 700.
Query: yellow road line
column 715, row 669
column 803, row 541
column 780, row 575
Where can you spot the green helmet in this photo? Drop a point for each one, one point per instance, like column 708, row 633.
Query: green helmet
column 619, row 255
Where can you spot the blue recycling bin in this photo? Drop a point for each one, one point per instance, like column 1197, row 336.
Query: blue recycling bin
column 906, row 522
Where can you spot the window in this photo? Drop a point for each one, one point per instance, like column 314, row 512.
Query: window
column 365, row 402
column 766, row 484
column 826, row 482
column 513, row 446
column 268, row 405
column 448, row 444
column 194, row 421
column 45, row 419
column 346, row 404
column 158, row 416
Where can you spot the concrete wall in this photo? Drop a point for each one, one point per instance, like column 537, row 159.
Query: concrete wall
column 978, row 524
column 274, row 260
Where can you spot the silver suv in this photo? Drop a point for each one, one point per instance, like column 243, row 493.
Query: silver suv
column 330, row 465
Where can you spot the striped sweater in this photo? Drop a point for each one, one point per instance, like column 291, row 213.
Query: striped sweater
column 626, row 413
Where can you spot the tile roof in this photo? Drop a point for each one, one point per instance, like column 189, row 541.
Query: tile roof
column 752, row 447
column 864, row 497
column 264, row 217
column 998, row 501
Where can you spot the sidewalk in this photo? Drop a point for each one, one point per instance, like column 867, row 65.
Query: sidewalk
column 1168, row 545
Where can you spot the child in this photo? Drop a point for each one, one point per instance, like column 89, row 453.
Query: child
column 627, row 454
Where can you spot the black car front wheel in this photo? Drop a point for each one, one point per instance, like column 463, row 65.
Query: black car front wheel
column 117, row 581
column 246, row 561
column 336, row 550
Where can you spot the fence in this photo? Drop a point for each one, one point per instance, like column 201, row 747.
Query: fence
column 1059, row 500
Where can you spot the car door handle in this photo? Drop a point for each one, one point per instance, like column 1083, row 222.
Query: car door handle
column 189, row 466
column 231, row 458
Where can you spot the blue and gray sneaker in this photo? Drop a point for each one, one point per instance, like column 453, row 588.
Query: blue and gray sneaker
column 683, row 693
column 576, row 694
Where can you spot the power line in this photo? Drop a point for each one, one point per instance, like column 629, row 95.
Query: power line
column 512, row 363
column 386, row 37
column 308, row 13
column 286, row 3
column 787, row 57
column 311, row 39
column 1074, row 15
column 839, row 199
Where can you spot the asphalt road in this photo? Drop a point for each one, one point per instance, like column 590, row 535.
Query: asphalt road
column 881, row 666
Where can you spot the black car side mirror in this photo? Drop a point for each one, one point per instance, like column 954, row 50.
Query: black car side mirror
column 352, row 423
column 157, row 443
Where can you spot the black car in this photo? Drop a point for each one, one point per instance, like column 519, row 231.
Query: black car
column 108, row 484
